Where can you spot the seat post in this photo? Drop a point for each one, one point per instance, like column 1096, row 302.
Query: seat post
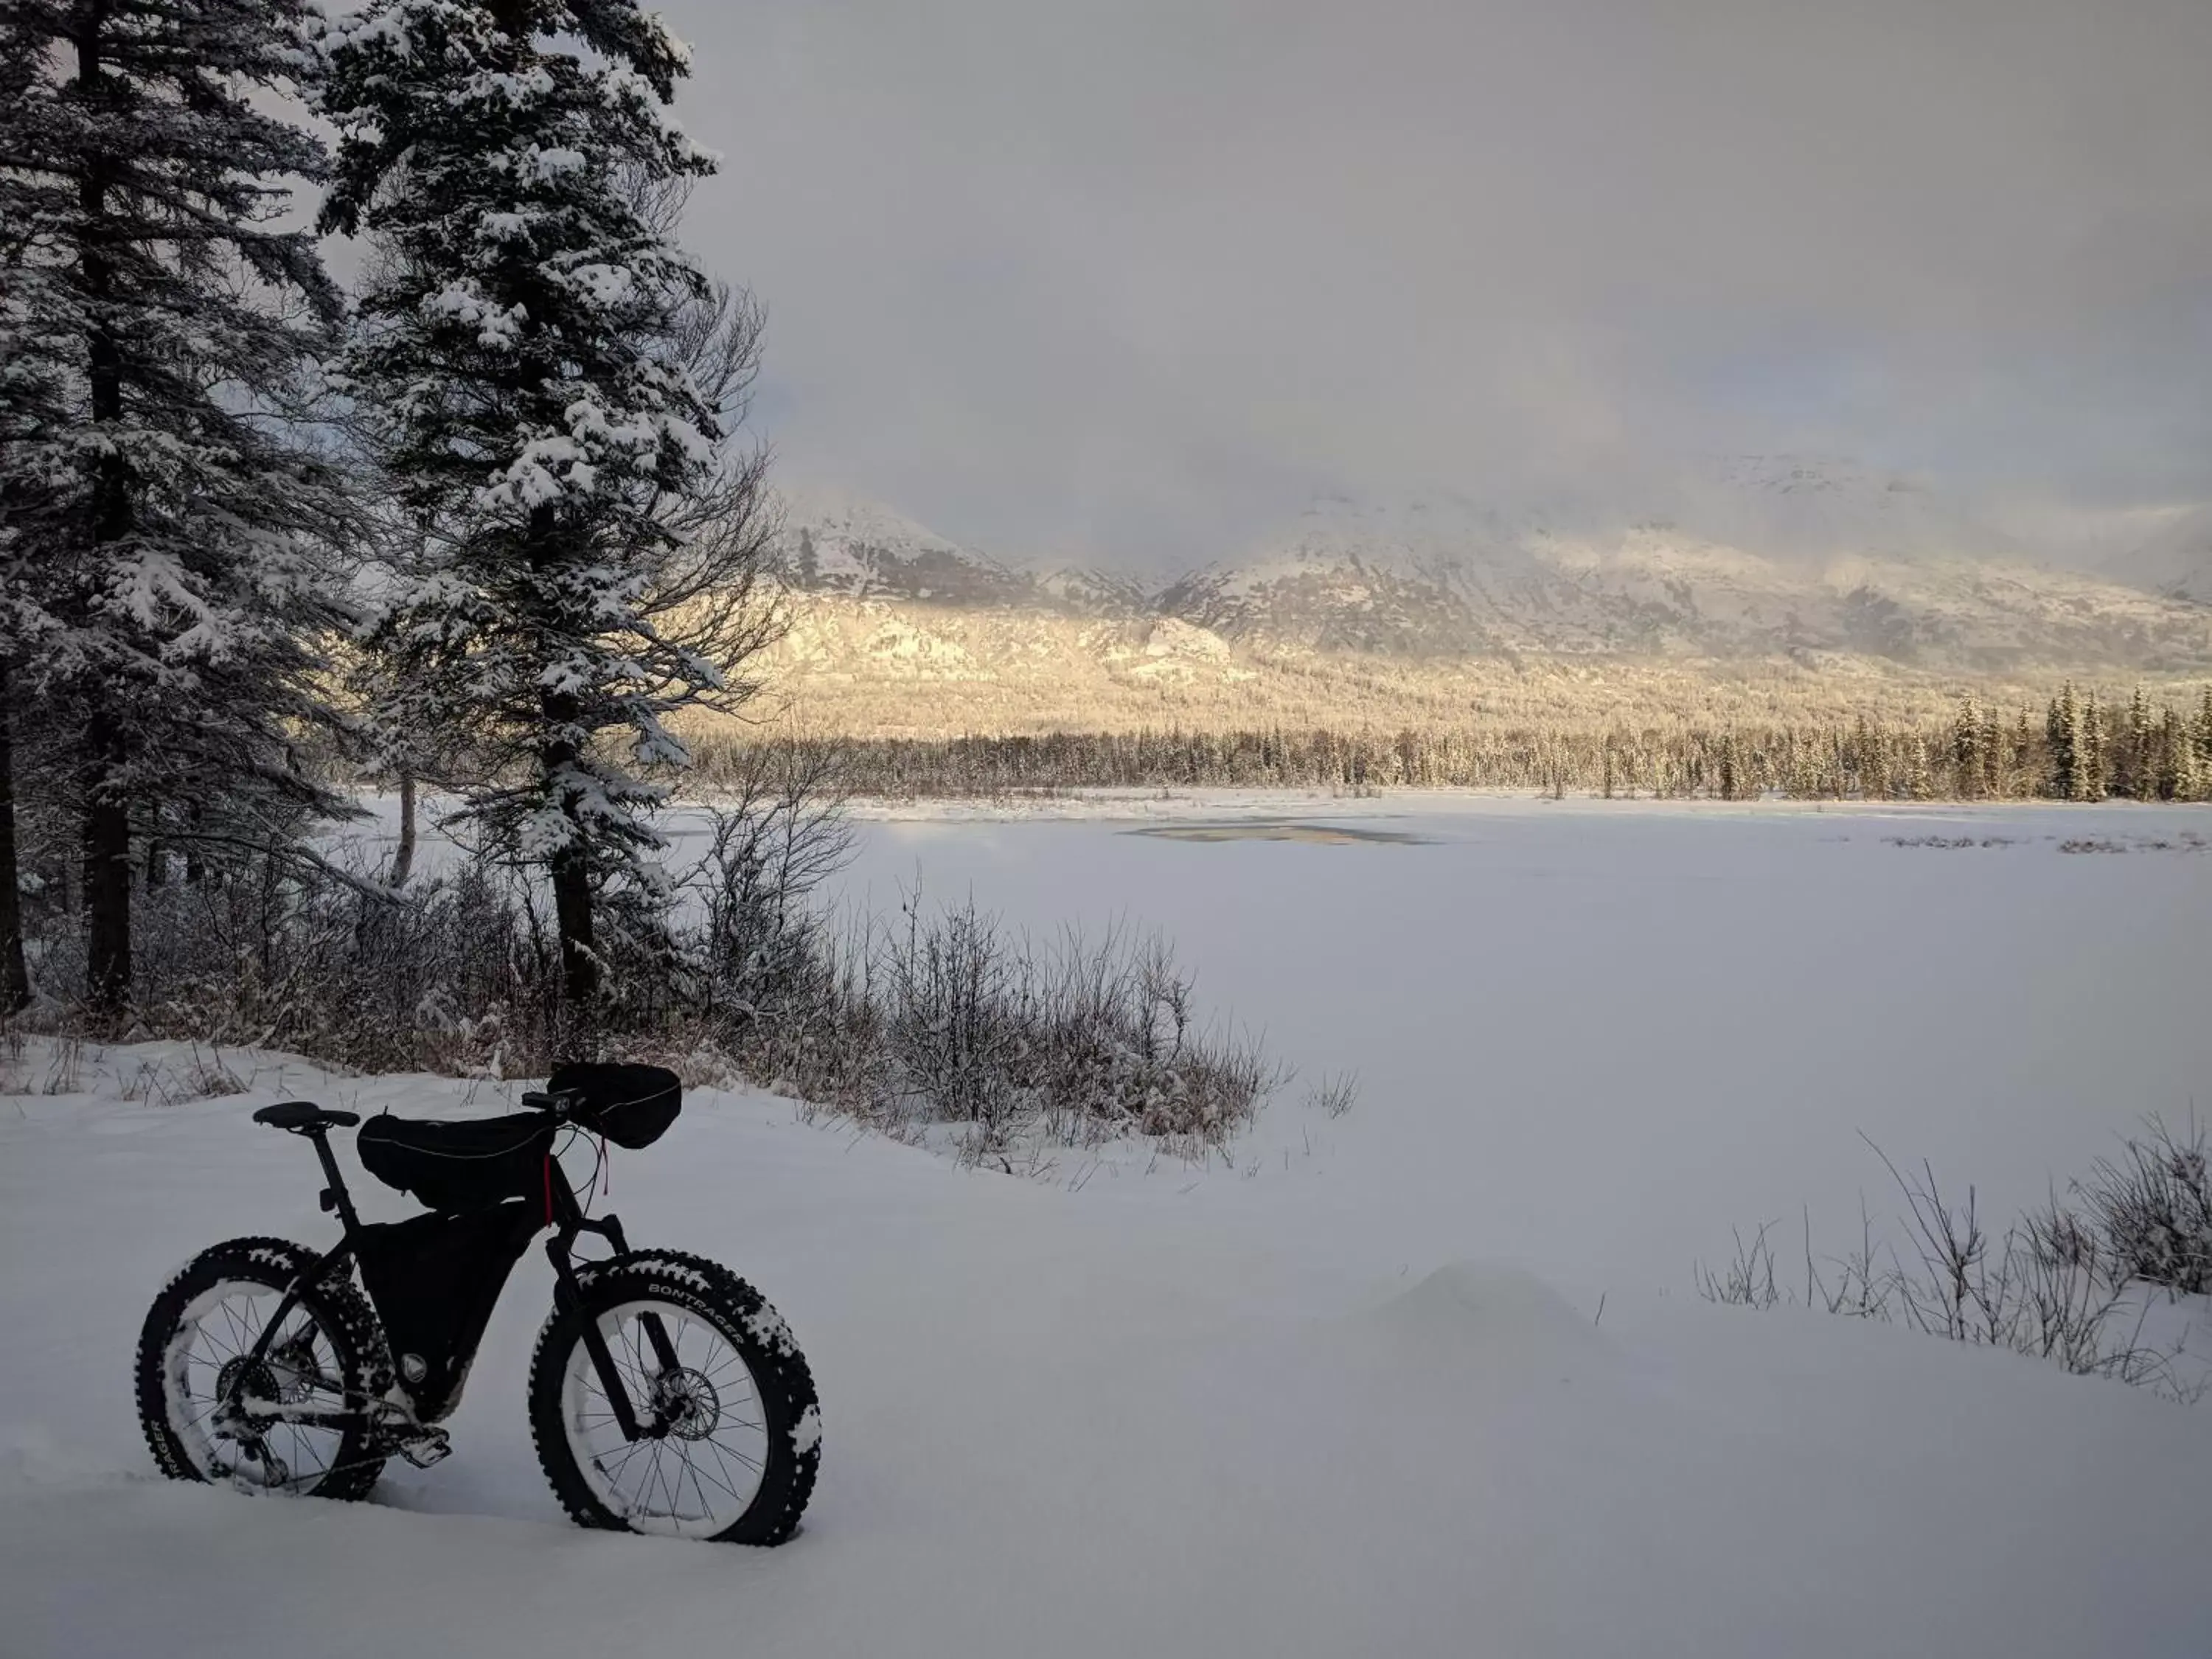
column 321, row 1136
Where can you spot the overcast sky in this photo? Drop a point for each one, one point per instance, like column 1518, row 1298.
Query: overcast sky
column 1132, row 278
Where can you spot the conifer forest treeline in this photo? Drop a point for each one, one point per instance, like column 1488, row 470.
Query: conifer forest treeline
column 2074, row 749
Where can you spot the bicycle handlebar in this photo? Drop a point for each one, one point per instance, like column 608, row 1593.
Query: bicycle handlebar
column 562, row 1104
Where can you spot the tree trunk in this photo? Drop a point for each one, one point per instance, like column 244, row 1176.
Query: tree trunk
column 403, row 856
column 15, row 976
column 107, row 872
column 571, row 872
column 107, row 805
column 572, row 910
column 569, row 868
column 194, row 863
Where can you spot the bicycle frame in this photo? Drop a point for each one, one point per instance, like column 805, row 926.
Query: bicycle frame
column 568, row 1219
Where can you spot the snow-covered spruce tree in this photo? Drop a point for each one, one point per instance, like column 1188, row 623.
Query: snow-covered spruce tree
column 1966, row 758
column 521, row 360
column 165, row 579
column 2089, row 780
column 31, row 405
column 2062, row 728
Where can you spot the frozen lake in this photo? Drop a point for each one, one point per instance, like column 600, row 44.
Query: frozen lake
column 1593, row 1036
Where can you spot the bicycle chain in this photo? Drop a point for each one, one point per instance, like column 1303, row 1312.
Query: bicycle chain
column 385, row 1442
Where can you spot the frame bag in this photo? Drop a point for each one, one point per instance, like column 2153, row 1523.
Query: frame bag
column 435, row 1280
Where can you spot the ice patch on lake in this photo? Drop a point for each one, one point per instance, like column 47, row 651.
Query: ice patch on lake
column 1312, row 835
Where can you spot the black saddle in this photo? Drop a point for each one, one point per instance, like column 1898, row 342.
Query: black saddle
column 304, row 1116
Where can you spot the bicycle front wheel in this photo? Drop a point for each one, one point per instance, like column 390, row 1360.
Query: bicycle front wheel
column 733, row 1433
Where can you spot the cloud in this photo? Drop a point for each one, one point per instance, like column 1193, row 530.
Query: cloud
column 1131, row 278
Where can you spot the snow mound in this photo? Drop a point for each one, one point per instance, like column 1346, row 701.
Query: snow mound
column 1485, row 1315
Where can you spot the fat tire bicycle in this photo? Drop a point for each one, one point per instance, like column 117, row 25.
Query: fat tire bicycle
column 665, row 1394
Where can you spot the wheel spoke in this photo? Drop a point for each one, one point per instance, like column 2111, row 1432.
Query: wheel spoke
column 724, row 1482
column 749, row 1463
column 203, row 1330
column 244, row 1331
column 706, row 1505
column 630, row 1453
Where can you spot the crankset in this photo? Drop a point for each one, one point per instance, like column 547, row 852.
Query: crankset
column 397, row 1430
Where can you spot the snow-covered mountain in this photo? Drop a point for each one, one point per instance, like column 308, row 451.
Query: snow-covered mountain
column 1764, row 556
column 1819, row 507
column 2176, row 561
column 833, row 544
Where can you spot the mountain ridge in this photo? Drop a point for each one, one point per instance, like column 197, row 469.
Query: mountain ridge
column 1782, row 556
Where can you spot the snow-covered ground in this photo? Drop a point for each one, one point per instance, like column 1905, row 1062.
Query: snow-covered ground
column 1353, row 1395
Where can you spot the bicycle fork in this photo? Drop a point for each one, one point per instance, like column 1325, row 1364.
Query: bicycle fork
column 568, row 1293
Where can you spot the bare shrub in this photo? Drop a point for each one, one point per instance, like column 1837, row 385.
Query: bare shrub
column 1074, row 1042
column 64, row 1067
column 2152, row 1207
column 160, row 1083
column 1335, row 1094
column 782, row 992
column 2047, row 1288
column 148, row 1083
column 768, row 851
column 208, row 1078
column 2051, row 1287
column 957, row 1020
column 1747, row 1278
column 457, row 974
column 1949, row 842
column 941, row 1019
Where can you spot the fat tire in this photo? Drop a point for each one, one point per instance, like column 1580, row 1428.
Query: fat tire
column 747, row 1323
column 339, row 1308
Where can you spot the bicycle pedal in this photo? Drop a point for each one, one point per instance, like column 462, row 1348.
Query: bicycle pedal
column 432, row 1447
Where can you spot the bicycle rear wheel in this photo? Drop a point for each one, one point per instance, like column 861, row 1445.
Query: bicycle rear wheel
column 739, row 1434
column 328, row 1357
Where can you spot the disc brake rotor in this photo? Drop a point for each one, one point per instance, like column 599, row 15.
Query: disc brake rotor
column 687, row 1403
column 292, row 1370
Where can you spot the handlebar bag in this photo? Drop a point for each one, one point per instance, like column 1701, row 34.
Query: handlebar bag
column 630, row 1105
column 462, row 1165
